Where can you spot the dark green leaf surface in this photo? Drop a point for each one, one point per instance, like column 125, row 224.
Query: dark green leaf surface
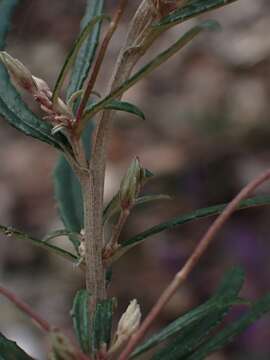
column 81, row 323
column 6, row 10
column 68, row 192
column 15, row 111
column 216, row 307
column 192, row 9
column 230, row 332
column 87, row 52
column 194, row 215
column 102, row 324
column 73, row 53
column 152, row 65
column 69, row 197
column 9, row 350
column 192, row 336
column 8, row 231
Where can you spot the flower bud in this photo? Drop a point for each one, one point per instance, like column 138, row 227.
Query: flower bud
column 130, row 185
column 127, row 325
column 20, row 74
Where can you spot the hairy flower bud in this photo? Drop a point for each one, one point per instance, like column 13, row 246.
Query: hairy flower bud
column 20, row 74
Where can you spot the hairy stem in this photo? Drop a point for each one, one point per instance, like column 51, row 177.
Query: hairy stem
column 137, row 42
column 192, row 261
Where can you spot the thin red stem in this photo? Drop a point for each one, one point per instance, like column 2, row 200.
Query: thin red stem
column 100, row 57
column 43, row 324
column 182, row 275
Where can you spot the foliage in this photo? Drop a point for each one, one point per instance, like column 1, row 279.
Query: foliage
column 193, row 335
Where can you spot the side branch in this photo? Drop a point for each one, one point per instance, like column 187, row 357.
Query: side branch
column 182, row 275
column 105, row 43
column 43, row 324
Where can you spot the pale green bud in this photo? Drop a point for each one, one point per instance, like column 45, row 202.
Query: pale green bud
column 130, row 185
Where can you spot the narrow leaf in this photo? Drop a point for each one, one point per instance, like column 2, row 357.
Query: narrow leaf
column 81, row 319
column 218, row 305
column 102, row 324
column 192, row 9
column 68, row 196
column 194, row 215
column 152, row 65
column 57, row 233
column 126, row 107
column 87, row 52
column 73, row 54
column 68, row 192
column 15, row 111
column 218, row 341
column 192, row 336
column 9, row 350
column 7, row 8
column 9, row 232
column 150, row 198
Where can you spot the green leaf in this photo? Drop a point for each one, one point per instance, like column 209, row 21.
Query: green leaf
column 216, row 307
column 150, row 198
column 102, row 324
column 87, row 52
column 57, row 233
column 126, row 107
column 152, row 65
column 225, row 336
column 192, row 9
column 81, row 319
column 15, row 111
column 69, row 197
column 73, row 54
column 9, row 350
column 68, row 192
column 192, row 336
column 9, row 232
column 194, row 215
column 7, row 8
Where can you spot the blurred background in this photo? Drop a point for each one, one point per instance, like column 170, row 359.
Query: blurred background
column 206, row 135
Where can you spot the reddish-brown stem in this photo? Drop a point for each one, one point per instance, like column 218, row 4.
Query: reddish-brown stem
column 43, row 324
column 100, row 58
column 182, row 275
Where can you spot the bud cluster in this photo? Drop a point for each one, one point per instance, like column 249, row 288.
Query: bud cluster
column 58, row 112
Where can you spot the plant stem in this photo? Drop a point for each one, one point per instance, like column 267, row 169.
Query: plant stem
column 93, row 184
column 43, row 324
column 182, row 275
column 95, row 271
